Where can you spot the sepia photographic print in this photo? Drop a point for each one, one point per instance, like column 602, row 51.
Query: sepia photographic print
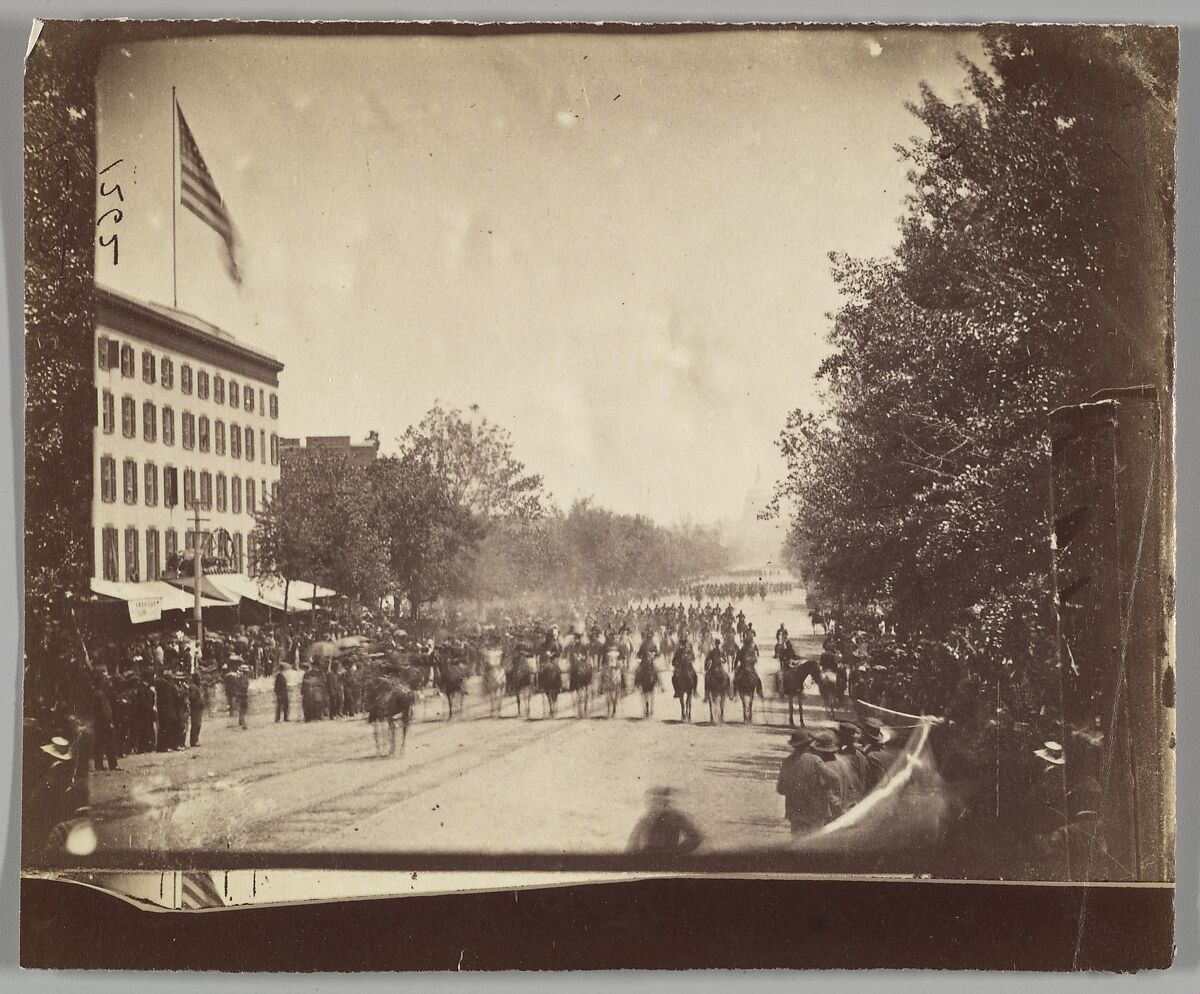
column 469, row 457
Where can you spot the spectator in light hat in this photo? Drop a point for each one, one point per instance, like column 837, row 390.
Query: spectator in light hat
column 1051, row 752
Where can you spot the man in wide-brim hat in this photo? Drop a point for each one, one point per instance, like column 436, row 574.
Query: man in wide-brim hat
column 58, row 749
column 809, row 781
column 800, row 738
column 1051, row 752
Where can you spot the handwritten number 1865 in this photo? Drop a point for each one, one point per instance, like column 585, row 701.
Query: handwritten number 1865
column 113, row 215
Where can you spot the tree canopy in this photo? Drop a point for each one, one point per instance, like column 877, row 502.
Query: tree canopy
column 1032, row 268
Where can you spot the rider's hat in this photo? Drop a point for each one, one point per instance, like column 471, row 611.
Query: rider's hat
column 801, row 737
column 873, row 729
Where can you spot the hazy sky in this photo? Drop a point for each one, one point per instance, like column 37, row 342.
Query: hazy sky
column 615, row 245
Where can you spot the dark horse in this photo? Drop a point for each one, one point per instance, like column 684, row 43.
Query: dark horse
column 647, row 680
column 550, row 683
column 389, row 697
column 716, row 687
column 816, row 617
column 791, row 685
column 747, row 684
column 521, row 678
column 581, row 683
column 684, row 681
column 451, row 680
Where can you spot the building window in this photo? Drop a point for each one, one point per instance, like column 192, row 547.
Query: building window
column 153, row 563
column 167, row 373
column 235, row 494
column 274, row 405
column 252, row 554
column 128, row 417
column 131, row 556
column 185, row 378
column 102, row 344
column 219, row 436
column 170, row 486
column 203, row 433
column 168, row 426
column 107, row 412
column 233, row 394
column 202, row 384
column 189, row 488
column 108, row 479
column 148, row 366
column 108, row 539
column 188, row 422
column 151, row 484
column 218, row 388
column 127, row 361
column 237, row 548
column 274, row 449
column 171, row 548
column 248, row 398
column 222, row 492
column 149, row 421
column 235, row 440
column 251, row 503
column 262, row 446
column 129, row 471
column 274, row 491
column 205, row 488
column 262, row 402
column 249, row 444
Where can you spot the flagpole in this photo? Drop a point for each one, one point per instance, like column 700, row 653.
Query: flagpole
column 174, row 198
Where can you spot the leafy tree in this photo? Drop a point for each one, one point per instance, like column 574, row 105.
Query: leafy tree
column 325, row 526
column 474, row 463
column 60, row 402
column 1033, row 268
column 428, row 533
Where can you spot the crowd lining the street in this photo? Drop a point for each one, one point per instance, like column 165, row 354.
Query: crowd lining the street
column 152, row 694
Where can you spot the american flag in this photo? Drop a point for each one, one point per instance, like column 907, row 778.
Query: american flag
column 199, row 890
column 199, row 194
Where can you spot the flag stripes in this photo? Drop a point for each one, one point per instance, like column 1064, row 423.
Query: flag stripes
column 199, row 194
column 199, row 891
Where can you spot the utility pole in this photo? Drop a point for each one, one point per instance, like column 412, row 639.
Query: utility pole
column 198, row 578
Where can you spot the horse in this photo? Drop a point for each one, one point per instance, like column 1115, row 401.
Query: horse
column 626, row 650
column 581, row 683
column 716, row 687
column 451, row 680
column 550, row 683
column 389, row 697
column 494, row 679
column 827, row 684
column 791, row 685
column 747, row 684
column 647, row 680
column 684, row 681
column 610, row 686
column 747, row 656
column 815, row 617
column 522, row 679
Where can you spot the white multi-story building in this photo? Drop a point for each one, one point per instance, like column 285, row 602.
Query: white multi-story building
column 185, row 413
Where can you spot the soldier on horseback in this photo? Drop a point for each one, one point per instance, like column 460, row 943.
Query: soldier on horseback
column 683, row 678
